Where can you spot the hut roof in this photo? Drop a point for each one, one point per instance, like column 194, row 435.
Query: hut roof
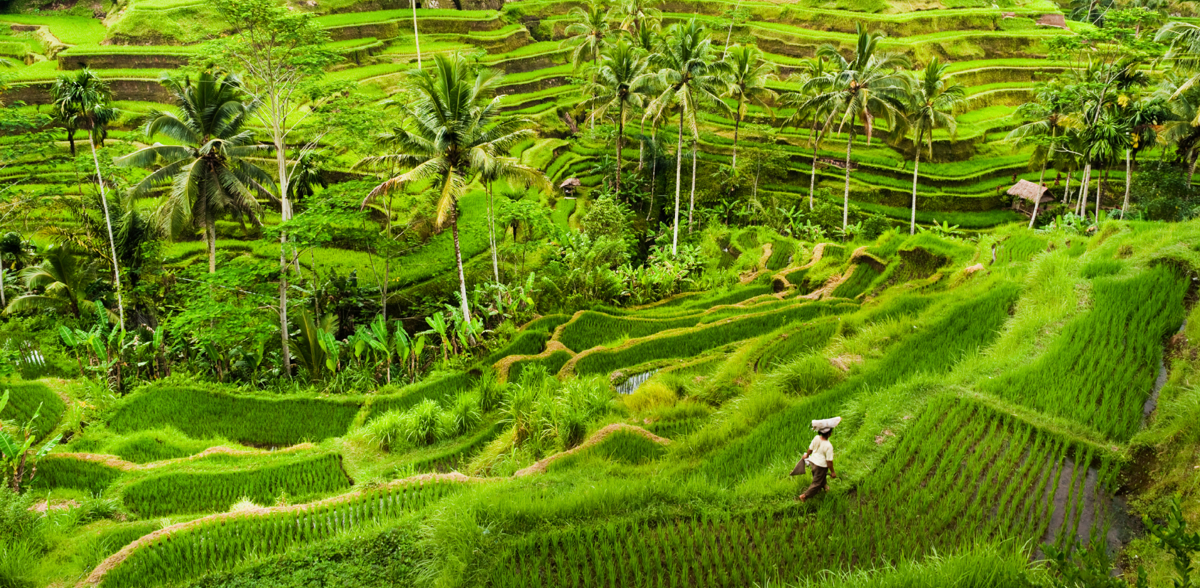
column 570, row 183
column 1027, row 190
column 1053, row 20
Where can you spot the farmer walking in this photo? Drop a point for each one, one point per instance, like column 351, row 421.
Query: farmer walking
column 820, row 457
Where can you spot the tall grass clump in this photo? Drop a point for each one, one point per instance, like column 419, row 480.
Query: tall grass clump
column 1102, row 366
column 214, row 491
column 68, row 472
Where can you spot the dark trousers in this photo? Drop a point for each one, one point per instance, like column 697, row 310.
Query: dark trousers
column 818, row 481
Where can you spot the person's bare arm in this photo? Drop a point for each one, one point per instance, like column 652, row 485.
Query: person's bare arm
column 832, row 473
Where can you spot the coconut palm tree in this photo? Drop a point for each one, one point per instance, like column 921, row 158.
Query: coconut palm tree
column 15, row 249
column 746, row 83
column 818, row 117
column 587, row 34
column 57, row 284
column 84, row 100
column 1182, row 128
column 452, row 133
column 622, row 82
column 636, row 14
column 865, row 87
column 208, row 171
column 929, row 105
column 691, row 80
column 1048, row 114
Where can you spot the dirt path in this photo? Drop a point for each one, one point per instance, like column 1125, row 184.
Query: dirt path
column 113, row 461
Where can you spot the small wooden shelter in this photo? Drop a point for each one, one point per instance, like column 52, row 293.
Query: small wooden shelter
column 1029, row 192
column 1053, row 20
column 569, row 185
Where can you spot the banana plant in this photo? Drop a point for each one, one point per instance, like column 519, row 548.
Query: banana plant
column 437, row 324
column 16, row 451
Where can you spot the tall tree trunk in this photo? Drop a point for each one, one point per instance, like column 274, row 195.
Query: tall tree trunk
column 1191, row 165
column 737, row 122
column 642, row 145
column 210, row 231
column 285, row 215
column 3, row 300
column 71, row 140
column 729, row 33
column 653, row 174
column 1087, row 179
column 912, row 226
column 846, row 195
column 1128, row 182
column 1067, row 188
column 462, row 276
column 812, row 180
column 620, row 143
column 1099, row 189
column 678, row 185
column 108, row 224
column 416, row 35
column 492, row 240
column 692, row 196
column 1038, row 199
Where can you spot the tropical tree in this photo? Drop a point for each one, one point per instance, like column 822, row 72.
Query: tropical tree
column 622, row 82
column 16, row 249
column 1182, row 128
column 690, row 81
column 279, row 54
column 929, row 105
column 452, row 133
column 84, row 100
column 866, row 86
column 817, row 116
column 208, row 170
column 637, row 14
column 587, row 33
column 57, row 284
column 1048, row 114
column 746, row 83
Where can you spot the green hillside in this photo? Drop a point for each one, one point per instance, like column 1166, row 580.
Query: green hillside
column 451, row 294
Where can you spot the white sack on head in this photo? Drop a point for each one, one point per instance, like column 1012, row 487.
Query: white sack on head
column 819, row 424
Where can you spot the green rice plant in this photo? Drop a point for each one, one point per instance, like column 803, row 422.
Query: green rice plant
column 934, row 349
column 1101, row 367
column 1101, row 267
column 25, row 399
column 1019, row 247
column 222, row 542
column 864, row 275
column 794, row 342
column 437, row 389
column 551, row 363
column 156, row 445
column 695, row 341
column 254, row 420
column 180, row 492
column 781, row 254
column 620, row 446
column 456, row 454
column 592, row 329
column 60, row 471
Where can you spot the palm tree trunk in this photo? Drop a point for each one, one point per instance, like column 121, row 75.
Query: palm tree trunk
column 71, row 140
column 1087, row 179
column 912, row 226
column 1128, row 182
column 1099, row 188
column 729, row 33
column 737, row 122
column 678, row 185
column 812, row 180
column 285, row 215
column 653, row 173
column 642, row 145
column 210, row 232
column 1067, row 188
column 492, row 239
column 1191, row 166
column 462, row 276
column 416, row 35
column 692, row 196
column 1038, row 199
column 108, row 223
column 620, row 143
column 846, row 194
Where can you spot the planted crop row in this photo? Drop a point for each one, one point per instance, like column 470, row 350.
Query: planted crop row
column 532, row 338
column 592, row 329
column 552, row 362
column 620, row 446
column 26, row 399
column 963, row 474
column 56, row 471
column 255, row 420
column 803, row 339
column 215, row 491
column 449, row 458
column 693, row 342
column 436, row 390
column 1102, row 366
column 935, row 349
column 222, row 542
column 858, row 282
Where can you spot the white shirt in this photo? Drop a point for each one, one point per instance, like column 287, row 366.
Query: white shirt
column 820, row 452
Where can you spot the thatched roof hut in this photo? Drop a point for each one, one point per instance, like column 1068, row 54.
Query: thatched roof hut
column 569, row 185
column 1026, row 190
